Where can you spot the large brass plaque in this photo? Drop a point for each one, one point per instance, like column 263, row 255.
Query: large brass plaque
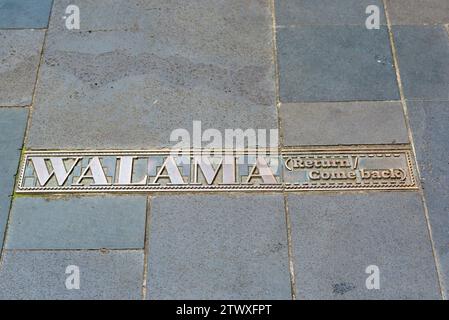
column 294, row 169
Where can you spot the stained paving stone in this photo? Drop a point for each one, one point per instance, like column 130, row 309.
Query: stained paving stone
column 429, row 124
column 417, row 12
column 12, row 129
column 19, row 55
column 139, row 69
column 335, row 63
column 343, row 123
column 325, row 12
column 218, row 247
column 194, row 60
column 423, row 54
column 114, row 222
column 24, row 14
column 42, row 274
column 337, row 236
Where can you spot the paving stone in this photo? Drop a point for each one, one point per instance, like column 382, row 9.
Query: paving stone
column 194, row 60
column 325, row 12
column 337, row 236
column 24, row 14
column 218, row 247
column 107, row 15
column 20, row 55
column 114, row 222
column 417, row 12
column 42, row 275
column 335, row 63
column 343, row 123
column 429, row 124
column 423, row 54
column 12, row 128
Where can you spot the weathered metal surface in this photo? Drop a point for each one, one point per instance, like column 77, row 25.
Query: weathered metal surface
column 292, row 169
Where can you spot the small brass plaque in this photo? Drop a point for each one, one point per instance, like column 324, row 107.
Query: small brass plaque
column 292, row 169
column 348, row 170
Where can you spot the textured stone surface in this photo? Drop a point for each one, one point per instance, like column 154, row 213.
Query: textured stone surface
column 12, row 128
column 19, row 56
column 423, row 54
column 194, row 60
column 339, row 63
column 343, row 123
column 337, row 236
column 42, row 274
column 77, row 223
column 218, row 247
column 429, row 124
column 24, row 14
column 325, row 12
column 414, row 12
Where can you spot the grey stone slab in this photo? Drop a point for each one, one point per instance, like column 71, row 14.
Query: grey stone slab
column 42, row 275
column 113, row 222
column 325, row 12
column 218, row 247
column 418, row 12
column 24, row 14
column 195, row 60
column 19, row 55
column 335, row 63
column 107, row 15
column 423, row 54
column 429, row 124
column 343, row 123
column 12, row 129
column 337, row 236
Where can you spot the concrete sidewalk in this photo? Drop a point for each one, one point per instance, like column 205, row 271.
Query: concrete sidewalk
column 137, row 70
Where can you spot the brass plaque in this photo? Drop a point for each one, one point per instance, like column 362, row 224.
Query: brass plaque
column 348, row 170
column 294, row 169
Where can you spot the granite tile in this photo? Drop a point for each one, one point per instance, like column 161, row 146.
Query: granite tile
column 113, row 222
column 116, row 15
column 343, row 123
column 12, row 129
column 335, row 63
column 336, row 236
column 195, row 60
column 24, row 14
column 40, row 275
column 20, row 52
column 423, row 54
column 418, row 12
column 218, row 247
column 429, row 124
column 325, row 12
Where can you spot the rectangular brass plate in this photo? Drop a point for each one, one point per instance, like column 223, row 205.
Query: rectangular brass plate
column 293, row 169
